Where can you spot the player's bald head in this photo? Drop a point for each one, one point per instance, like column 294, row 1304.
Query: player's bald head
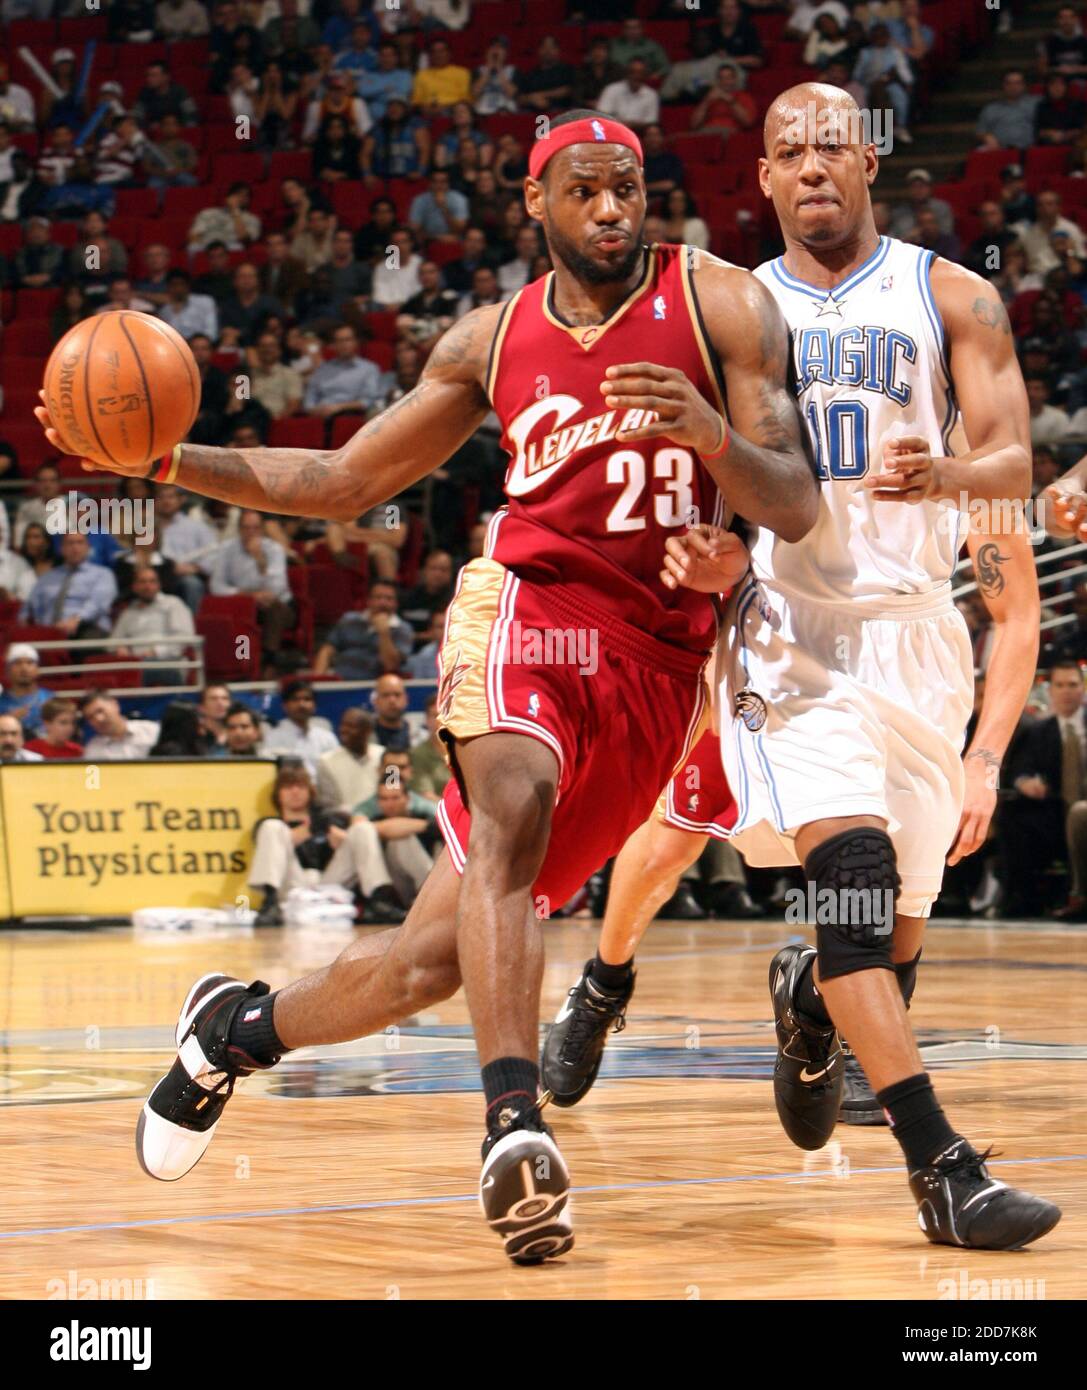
column 799, row 111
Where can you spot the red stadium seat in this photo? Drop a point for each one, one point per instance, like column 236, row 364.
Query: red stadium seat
column 379, row 353
column 18, row 370
column 345, row 427
column 296, row 432
column 11, row 238
column 290, row 164
column 301, row 635
column 137, row 202
column 30, row 33
column 1043, row 164
column 987, row 164
column 239, row 608
column 412, row 552
column 347, row 204
column 381, row 324
column 104, row 680
column 28, row 338
column 221, row 659
column 331, row 592
column 186, row 53
column 185, row 202
column 244, row 166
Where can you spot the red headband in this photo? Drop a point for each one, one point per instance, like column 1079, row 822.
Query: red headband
column 594, row 130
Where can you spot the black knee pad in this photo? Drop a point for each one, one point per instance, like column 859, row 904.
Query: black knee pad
column 906, row 972
column 855, row 919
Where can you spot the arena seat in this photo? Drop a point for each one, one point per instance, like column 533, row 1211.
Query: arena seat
column 126, row 679
column 987, row 164
column 240, row 609
column 379, row 353
column 331, row 593
column 28, row 337
column 301, row 634
column 221, row 660
column 296, row 432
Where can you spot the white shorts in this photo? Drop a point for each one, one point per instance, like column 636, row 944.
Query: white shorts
column 847, row 710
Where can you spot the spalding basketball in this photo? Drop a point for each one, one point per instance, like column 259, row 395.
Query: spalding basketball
column 122, row 387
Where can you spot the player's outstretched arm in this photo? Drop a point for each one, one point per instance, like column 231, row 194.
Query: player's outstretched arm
column 767, row 474
column 989, row 386
column 760, row 458
column 1008, row 582
column 395, row 449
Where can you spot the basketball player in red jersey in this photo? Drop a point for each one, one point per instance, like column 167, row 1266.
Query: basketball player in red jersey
column 556, row 764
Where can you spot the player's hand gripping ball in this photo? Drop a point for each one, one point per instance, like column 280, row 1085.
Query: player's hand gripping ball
column 120, row 390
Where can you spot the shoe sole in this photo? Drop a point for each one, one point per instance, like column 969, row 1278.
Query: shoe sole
column 531, row 1213
column 149, row 1119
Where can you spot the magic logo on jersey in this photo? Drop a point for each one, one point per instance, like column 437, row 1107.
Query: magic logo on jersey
column 869, row 358
column 538, row 459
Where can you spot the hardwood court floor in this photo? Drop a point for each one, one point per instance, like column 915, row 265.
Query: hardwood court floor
column 351, row 1172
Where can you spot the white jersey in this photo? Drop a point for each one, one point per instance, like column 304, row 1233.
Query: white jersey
column 870, row 363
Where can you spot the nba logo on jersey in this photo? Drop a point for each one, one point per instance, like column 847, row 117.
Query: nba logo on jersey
column 659, row 307
column 534, row 705
column 886, row 283
column 598, row 131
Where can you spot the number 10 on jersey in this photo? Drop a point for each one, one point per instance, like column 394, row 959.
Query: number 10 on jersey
column 840, row 441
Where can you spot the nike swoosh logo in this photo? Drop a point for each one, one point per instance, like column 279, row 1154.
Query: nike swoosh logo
column 488, row 1181
column 565, row 1012
column 804, row 1076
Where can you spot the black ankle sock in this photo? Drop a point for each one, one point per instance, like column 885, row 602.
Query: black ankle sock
column 917, row 1121
column 613, row 977
column 254, row 1032
column 509, row 1081
column 808, row 999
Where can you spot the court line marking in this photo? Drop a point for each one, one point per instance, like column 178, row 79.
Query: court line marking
column 392, row 1203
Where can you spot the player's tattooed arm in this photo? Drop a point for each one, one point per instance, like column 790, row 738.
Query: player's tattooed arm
column 767, row 473
column 415, row 435
column 1008, row 582
column 989, row 388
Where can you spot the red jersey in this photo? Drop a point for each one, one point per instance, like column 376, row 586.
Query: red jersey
column 585, row 510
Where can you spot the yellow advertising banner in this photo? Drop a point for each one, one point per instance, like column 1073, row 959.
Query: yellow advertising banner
column 107, row 838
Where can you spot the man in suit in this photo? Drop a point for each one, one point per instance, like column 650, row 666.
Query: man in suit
column 1047, row 817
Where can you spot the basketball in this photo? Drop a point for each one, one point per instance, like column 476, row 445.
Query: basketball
column 123, row 387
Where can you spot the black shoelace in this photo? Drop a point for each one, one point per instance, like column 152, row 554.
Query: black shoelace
column 586, row 1025
column 971, row 1167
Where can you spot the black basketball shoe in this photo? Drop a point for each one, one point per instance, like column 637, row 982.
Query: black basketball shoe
column 859, row 1104
column 574, row 1046
column 524, row 1189
column 958, row 1203
column 809, row 1068
column 179, row 1117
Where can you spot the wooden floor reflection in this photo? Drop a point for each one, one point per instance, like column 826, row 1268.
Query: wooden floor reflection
column 350, row 1172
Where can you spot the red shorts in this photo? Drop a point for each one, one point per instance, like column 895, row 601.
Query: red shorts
column 698, row 797
column 512, row 660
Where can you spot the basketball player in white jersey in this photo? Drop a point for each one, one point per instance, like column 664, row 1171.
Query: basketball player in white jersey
column 846, row 672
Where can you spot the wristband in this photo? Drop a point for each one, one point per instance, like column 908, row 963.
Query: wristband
column 165, row 471
column 722, row 448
